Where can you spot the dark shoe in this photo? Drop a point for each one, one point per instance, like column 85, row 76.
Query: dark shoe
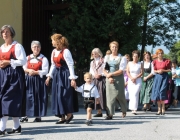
column 108, row 118
column 135, row 113
column 87, row 122
column 2, row 132
column 24, row 119
column 60, row 121
column 123, row 115
column 18, row 130
column 37, row 120
column 149, row 109
column 158, row 113
column 144, row 109
column 67, row 121
column 98, row 115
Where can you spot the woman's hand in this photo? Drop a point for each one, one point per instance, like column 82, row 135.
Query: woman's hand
column 145, row 79
column 111, row 80
column 73, row 83
column 109, row 75
column 97, row 76
column 47, row 81
column 4, row 63
column 31, row 72
column 133, row 80
column 160, row 71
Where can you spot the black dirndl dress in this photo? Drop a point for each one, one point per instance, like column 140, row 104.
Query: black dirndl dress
column 12, row 87
column 36, row 96
column 64, row 97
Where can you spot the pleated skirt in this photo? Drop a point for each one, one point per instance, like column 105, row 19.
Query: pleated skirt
column 64, row 97
column 36, row 96
column 12, row 85
column 160, row 86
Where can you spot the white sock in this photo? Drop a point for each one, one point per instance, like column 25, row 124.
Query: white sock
column 16, row 122
column 3, row 123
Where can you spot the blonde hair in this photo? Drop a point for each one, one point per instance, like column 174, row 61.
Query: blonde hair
column 88, row 74
column 108, row 52
column 60, row 39
column 115, row 43
column 97, row 50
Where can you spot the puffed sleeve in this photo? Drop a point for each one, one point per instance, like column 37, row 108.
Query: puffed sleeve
column 25, row 66
column 154, row 64
column 45, row 67
column 91, row 70
column 20, row 56
column 168, row 64
column 152, row 68
column 70, row 63
column 123, row 64
column 52, row 68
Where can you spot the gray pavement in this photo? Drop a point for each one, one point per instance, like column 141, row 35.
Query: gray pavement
column 144, row 126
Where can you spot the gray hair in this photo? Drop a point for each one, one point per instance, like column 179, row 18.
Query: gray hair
column 97, row 50
column 34, row 42
column 10, row 28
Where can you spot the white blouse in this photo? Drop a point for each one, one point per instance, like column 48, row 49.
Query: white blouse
column 123, row 63
column 147, row 64
column 19, row 53
column 69, row 61
column 94, row 91
column 45, row 64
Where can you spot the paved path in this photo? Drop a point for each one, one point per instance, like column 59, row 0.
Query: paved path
column 144, row 126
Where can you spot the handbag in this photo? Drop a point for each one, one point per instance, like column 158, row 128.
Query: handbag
column 107, row 67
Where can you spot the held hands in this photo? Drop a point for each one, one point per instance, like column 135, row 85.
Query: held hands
column 145, row 78
column 160, row 71
column 133, row 80
column 73, row 83
column 97, row 76
column 31, row 72
column 4, row 63
column 111, row 80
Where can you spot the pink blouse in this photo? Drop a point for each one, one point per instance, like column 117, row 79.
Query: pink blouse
column 165, row 64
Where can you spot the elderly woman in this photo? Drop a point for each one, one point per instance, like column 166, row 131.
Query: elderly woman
column 12, row 79
column 114, row 68
column 160, row 85
column 36, row 69
column 134, row 72
column 148, row 74
column 62, row 73
column 96, row 69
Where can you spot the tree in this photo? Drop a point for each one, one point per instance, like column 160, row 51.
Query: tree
column 94, row 23
column 159, row 23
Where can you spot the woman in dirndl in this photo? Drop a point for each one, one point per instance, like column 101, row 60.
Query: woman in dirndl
column 12, row 80
column 36, row 69
column 64, row 99
column 160, row 85
column 148, row 74
column 96, row 69
column 115, row 65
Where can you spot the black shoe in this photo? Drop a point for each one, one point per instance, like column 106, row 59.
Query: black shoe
column 67, row 121
column 158, row 113
column 98, row 115
column 24, row 119
column 18, row 130
column 37, row 120
column 108, row 118
column 144, row 109
column 87, row 122
column 149, row 109
column 2, row 132
column 60, row 121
